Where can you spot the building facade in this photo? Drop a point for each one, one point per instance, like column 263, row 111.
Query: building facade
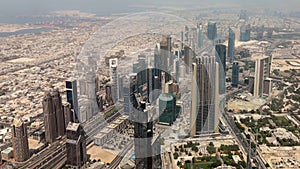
column 76, row 146
column 262, row 72
column 167, row 108
column 72, row 97
column 54, row 118
column 205, row 96
column 221, row 59
column 231, row 45
column 146, row 143
column 212, row 30
column 235, row 74
column 20, row 141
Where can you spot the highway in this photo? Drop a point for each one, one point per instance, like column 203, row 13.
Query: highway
column 242, row 140
column 48, row 156
column 115, row 163
column 236, row 132
column 54, row 156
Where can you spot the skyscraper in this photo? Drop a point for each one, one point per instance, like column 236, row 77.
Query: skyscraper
column 167, row 108
column 235, row 74
column 205, row 96
column 262, row 71
column 244, row 15
column 72, row 97
column 113, row 66
column 146, row 144
column 59, row 114
column 165, row 52
column 200, row 36
column 53, row 116
column 69, row 114
column 245, row 32
column 20, row 140
column 212, row 31
column 76, row 146
column 221, row 59
column 267, row 86
column 188, row 57
column 231, row 45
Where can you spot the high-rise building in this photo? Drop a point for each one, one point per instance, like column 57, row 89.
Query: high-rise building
column 120, row 86
column 162, row 56
column 167, row 108
column 235, row 74
column 267, row 88
column 188, row 57
column 200, row 36
column 72, row 97
column 76, row 146
column 176, row 69
column 269, row 32
column 244, row 15
column 231, row 45
column 87, row 101
column 113, row 66
column 54, row 118
column 212, row 31
column 146, row 143
column 186, row 33
column 69, row 114
column 251, row 84
column 245, row 33
column 108, row 95
column 221, row 59
column 260, row 32
column 20, row 140
column 129, row 89
column 262, row 71
column 59, row 113
column 205, row 96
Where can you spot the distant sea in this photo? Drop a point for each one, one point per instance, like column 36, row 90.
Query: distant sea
column 25, row 31
column 29, row 11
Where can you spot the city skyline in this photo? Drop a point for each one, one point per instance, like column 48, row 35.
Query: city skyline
column 161, row 84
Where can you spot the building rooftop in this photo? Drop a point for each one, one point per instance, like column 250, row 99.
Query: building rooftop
column 166, row 97
column 17, row 122
column 73, row 126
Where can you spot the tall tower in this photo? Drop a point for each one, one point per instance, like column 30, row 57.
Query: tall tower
column 54, row 118
column 59, row 114
column 200, row 36
column 76, row 146
column 205, row 96
column 49, row 119
column 72, row 97
column 20, row 140
column 231, row 45
column 113, row 66
column 245, row 32
column 235, row 74
column 146, row 143
column 262, row 72
column 212, row 31
column 221, row 59
column 165, row 53
column 188, row 57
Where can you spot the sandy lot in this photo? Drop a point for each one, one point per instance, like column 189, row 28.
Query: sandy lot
column 104, row 155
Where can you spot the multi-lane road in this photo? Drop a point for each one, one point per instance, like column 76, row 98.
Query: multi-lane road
column 48, row 157
column 54, row 156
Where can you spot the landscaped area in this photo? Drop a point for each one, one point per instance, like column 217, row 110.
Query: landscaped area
column 208, row 156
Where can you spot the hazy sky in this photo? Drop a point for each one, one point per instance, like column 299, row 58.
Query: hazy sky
column 102, row 7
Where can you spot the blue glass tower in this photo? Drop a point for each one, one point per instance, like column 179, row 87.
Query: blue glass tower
column 235, row 74
column 211, row 30
column 231, row 45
